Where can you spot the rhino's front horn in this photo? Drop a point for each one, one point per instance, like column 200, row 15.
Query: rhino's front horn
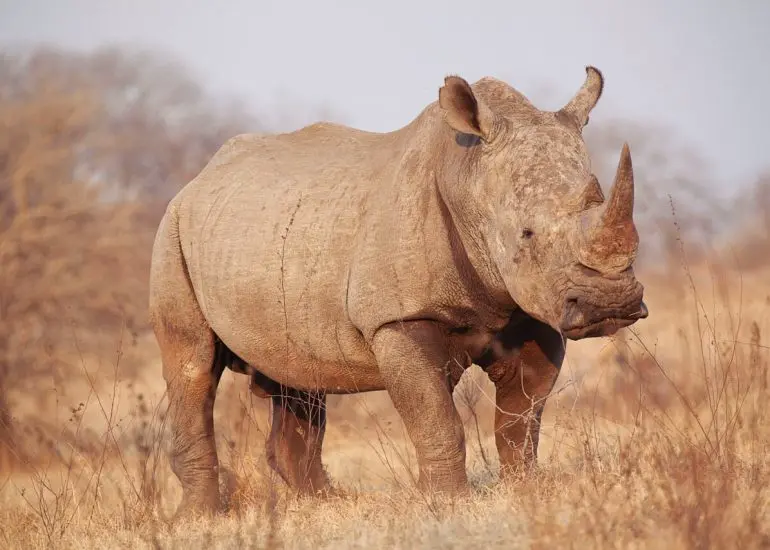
column 580, row 106
column 618, row 211
column 611, row 239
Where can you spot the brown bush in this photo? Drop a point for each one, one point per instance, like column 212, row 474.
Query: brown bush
column 91, row 148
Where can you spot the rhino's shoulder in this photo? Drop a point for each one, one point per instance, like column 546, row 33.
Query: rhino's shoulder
column 316, row 139
column 321, row 133
column 316, row 134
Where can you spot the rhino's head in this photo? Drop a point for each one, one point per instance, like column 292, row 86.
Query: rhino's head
column 521, row 185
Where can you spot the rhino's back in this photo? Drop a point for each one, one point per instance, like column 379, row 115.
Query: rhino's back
column 268, row 229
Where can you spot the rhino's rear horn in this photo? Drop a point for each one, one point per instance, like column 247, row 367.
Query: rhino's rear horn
column 580, row 106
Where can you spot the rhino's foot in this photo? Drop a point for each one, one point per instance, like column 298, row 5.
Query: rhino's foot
column 518, row 458
column 448, row 481
column 304, row 479
column 332, row 491
column 317, row 483
column 519, row 469
column 322, row 490
column 200, row 491
column 197, row 506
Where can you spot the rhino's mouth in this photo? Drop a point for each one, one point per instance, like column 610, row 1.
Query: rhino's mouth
column 574, row 326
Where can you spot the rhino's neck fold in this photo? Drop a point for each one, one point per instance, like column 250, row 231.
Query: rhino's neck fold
column 468, row 242
column 451, row 168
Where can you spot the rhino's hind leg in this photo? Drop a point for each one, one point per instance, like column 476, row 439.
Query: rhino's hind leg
column 192, row 374
column 192, row 369
column 298, row 424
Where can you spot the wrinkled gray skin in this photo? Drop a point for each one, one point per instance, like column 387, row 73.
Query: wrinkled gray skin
column 332, row 260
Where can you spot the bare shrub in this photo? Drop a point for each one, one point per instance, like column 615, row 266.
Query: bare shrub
column 92, row 146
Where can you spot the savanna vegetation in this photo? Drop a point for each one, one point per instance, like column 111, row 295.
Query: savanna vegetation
column 657, row 437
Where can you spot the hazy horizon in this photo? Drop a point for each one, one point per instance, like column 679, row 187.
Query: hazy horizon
column 694, row 68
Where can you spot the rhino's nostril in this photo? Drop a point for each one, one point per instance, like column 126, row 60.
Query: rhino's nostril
column 573, row 314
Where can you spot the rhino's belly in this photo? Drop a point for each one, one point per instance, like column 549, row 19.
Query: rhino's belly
column 312, row 346
column 304, row 372
column 308, row 367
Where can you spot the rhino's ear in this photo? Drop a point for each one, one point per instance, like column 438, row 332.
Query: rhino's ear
column 465, row 113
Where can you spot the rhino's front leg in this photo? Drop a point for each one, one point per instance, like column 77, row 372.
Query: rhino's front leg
column 413, row 358
column 523, row 378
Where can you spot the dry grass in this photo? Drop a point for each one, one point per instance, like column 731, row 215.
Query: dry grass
column 658, row 437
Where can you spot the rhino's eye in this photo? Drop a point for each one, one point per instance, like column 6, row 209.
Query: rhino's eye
column 527, row 233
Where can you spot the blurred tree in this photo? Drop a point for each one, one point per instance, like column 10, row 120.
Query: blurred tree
column 92, row 147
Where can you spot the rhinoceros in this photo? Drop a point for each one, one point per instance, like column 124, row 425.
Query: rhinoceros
column 331, row 260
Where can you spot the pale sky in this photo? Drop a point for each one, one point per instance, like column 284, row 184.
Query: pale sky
column 700, row 67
